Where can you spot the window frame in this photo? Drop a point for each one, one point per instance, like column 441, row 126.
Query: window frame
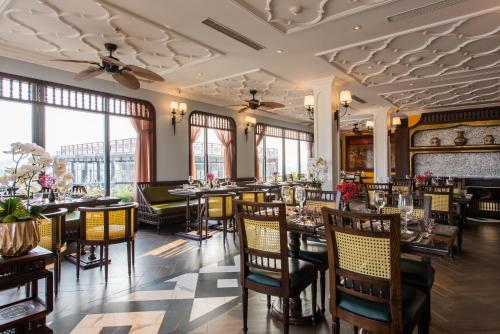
column 207, row 120
column 41, row 94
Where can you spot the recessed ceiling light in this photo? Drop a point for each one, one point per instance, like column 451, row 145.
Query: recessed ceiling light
column 200, row 74
column 279, row 51
column 357, row 27
column 411, row 84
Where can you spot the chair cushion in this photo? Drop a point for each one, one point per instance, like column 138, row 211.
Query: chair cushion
column 160, row 194
column 97, row 233
column 413, row 302
column 302, row 274
column 315, row 253
column 418, row 274
column 171, row 207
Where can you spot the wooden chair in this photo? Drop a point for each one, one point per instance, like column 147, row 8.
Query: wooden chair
column 104, row 226
column 218, row 207
column 265, row 265
column 421, row 207
column 365, row 278
column 51, row 238
column 253, row 196
column 370, row 188
column 402, row 186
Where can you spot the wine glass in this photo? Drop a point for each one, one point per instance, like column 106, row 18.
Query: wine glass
column 190, row 180
column 405, row 204
column 286, row 193
column 300, row 197
column 379, row 200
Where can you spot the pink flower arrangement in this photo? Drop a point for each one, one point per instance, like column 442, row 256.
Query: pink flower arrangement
column 210, row 176
column 423, row 179
column 349, row 190
column 47, row 181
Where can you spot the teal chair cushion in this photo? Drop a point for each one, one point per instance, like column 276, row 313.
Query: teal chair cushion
column 417, row 273
column 301, row 275
column 314, row 252
column 171, row 207
column 413, row 302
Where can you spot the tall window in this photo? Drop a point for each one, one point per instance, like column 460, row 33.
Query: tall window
column 281, row 151
column 212, row 145
column 102, row 136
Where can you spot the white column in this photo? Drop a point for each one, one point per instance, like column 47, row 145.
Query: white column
column 326, row 134
column 381, row 143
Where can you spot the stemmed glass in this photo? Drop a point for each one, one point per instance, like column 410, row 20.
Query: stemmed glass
column 190, row 180
column 300, row 197
column 379, row 200
column 286, row 193
column 405, row 204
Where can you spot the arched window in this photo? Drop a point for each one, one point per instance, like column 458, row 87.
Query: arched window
column 212, row 145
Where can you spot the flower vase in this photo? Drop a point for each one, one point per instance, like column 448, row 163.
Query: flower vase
column 345, row 206
column 210, row 184
column 18, row 238
column 52, row 196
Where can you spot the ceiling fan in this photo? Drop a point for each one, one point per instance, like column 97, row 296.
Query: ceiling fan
column 124, row 74
column 255, row 104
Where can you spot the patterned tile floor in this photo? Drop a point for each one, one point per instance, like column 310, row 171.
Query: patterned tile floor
column 178, row 287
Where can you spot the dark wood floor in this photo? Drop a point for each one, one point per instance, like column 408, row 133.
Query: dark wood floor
column 466, row 295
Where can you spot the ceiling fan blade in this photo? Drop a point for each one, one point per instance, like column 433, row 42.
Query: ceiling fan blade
column 243, row 109
column 271, row 105
column 126, row 79
column 77, row 61
column 145, row 73
column 88, row 73
column 112, row 61
column 265, row 110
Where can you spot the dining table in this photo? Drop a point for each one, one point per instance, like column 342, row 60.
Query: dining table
column 436, row 245
column 196, row 193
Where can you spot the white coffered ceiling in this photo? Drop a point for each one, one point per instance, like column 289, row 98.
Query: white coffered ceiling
column 413, row 54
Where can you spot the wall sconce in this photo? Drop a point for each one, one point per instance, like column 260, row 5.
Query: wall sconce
column 396, row 120
column 309, row 104
column 345, row 100
column 251, row 121
column 177, row 108
column 369, row 125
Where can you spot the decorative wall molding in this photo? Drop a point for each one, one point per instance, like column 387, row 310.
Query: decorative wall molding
column 79, row 29
column 471, row 115
column 235, row 89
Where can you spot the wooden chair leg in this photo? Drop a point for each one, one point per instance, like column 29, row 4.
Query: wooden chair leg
column 286, row 315
column 268, row 302
column 100, row 257
column 355, row 329
column 57, row 268
column 129, row 260
column 224, row 230
column 423, row 325
column 428, row 305
column 314, row 292
column 133, row 253
column 200, row 229
column 78, row 252
column 335, row 326
column 106, row 253
column 322, row 287
column 244, row 298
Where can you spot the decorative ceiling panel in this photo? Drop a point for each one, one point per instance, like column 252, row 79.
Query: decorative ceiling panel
column 460, row 94
column 235, row 89
column 79, row 28
column 463, row 46
column 290, row 16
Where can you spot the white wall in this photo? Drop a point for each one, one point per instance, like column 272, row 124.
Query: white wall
column 172, row 151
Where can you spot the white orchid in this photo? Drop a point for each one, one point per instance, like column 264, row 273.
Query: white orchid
column 15, row 148
column 59, row 167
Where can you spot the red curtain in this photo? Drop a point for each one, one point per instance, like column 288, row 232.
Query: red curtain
column 195, row 133
column 227, row 141
column 143, row 150
column 258, row 140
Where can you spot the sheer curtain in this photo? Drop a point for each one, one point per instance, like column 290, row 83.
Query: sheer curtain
column 195, row 134
column 143, row 150
column 226, row 140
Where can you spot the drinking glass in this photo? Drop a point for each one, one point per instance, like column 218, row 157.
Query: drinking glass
column 405, row 204
column 300, row 197
column 37, row 197
column 286, row 193
column 379, row 200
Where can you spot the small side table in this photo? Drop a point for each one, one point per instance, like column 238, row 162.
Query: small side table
column 28, row 314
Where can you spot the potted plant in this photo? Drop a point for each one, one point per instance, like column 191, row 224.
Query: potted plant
column 349, row 191
column 318, row 172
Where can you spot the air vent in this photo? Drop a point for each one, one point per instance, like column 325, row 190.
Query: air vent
column 358, row 99
column 232, row 34
column 423, row 10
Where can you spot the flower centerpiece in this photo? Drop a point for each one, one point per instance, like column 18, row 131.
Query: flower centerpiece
column 275, row 177
column 19, row 220
column 348, row 191
column 210, row 179
column 318, row 171
column 422, row 180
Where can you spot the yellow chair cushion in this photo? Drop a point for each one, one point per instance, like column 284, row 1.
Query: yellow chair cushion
column 97, row 233
column 250, row 197
column 215, row 207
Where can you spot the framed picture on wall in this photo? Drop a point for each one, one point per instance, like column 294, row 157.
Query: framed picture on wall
column 358, row 153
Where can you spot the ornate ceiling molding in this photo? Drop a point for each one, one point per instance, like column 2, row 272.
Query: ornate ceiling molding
column 462, row 46
column 293, row 16
column 235, row 89
column 79, row 29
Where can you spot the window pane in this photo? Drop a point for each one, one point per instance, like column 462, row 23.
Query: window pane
column 199, row 153
column 304, row 156
column 260, row 157
column 17, row 116
column 215, row 152
column 122, row 159
column 291, row 156
column 274, row 156
column 77, row 137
